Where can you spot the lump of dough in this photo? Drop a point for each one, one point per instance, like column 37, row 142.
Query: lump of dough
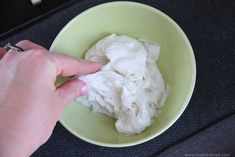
column 130, row 86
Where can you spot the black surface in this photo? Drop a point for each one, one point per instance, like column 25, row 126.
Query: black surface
column 216, row 141
column 210, row 27
column 16, row 12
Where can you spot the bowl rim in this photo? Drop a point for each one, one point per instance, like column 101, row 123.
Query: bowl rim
column 190, row 91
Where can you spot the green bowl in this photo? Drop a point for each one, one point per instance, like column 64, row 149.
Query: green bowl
column 176, row 62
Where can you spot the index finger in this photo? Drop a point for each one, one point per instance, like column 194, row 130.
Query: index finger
column 69, row 66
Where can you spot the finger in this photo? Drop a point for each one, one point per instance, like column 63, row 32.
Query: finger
column 2, row 52
column 28, row 45
column 68, row 66
column 72, row 89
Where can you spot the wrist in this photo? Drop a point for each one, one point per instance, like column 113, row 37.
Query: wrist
column 12, row 147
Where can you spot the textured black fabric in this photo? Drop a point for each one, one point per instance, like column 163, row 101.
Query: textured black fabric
column 19, row 12
column 210, row 27
column 215, row 141
column 9, row 25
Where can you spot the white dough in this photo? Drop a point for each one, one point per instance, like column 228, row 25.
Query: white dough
column 130, row 86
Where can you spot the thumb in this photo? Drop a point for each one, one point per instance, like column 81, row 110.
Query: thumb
column 72, row 89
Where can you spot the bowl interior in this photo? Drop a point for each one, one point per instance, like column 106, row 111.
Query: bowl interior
column 176, row 63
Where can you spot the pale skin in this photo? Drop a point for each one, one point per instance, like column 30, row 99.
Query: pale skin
column 30, row 104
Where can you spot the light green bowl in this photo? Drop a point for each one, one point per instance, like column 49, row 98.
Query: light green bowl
column 176, row 62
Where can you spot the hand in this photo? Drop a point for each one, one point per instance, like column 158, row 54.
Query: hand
column 30, row 104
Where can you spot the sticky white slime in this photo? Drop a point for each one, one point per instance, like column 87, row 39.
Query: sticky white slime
column 129, row 87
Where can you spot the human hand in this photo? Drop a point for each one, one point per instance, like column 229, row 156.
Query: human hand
column 30, row 104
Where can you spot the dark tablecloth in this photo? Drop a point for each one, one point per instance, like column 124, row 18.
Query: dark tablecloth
column 207, row 127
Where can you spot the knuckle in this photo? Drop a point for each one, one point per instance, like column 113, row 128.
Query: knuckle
column 40, row 53
column 37, row 56
column 41, row 60
column 24, row 42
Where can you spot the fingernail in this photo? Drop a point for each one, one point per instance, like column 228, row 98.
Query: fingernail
column 99, row 69
column 100, row 66
column 84, row 90
column 100, row 63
